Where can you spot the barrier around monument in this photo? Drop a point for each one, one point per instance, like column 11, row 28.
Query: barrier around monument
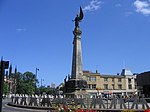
column 98, row 104
column 31, row 107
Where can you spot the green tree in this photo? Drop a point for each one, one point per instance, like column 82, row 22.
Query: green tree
column 26, row 83
column 47, row 90
column 6, row 88
column 19, row 83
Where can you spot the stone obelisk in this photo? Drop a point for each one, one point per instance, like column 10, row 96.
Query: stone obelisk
column 77, row 55
column 76, row 86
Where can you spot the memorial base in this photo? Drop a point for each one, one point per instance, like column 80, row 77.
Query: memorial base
column 75, row 88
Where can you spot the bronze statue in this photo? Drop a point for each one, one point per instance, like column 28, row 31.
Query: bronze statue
column 78, row 18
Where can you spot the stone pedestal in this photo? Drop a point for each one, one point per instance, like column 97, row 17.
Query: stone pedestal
column 75, row 88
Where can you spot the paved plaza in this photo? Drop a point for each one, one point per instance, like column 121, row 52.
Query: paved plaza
column 6, row 108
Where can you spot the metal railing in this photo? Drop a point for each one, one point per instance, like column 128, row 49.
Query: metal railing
column 85, row 103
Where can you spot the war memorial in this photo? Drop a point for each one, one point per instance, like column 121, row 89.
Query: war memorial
column 75, row 98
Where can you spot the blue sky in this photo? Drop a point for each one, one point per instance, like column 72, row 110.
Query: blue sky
column 38, row 33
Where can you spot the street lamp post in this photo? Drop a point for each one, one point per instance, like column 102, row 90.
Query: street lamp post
column 3, row 65
column 41, row 91
column 42, row 82
column 36, row 70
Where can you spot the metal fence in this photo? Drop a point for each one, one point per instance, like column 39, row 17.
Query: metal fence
column 85, row 103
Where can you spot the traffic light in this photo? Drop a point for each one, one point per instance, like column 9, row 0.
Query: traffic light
column 5, row 64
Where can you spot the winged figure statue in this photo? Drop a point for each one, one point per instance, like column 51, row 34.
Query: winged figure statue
column 78, row 18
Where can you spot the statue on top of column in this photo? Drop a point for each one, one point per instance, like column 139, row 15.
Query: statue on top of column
column 78, row 18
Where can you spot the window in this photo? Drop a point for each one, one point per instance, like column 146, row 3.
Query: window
column 119, row 86
column 105, row 79
column 129, row 80
column 119, row 80
column 93, row 79
column 89, row 86
column 105, row 86
column 112, row 79
column 130, row 86
column 93, row 86
column 88, row 78
column 113, row 86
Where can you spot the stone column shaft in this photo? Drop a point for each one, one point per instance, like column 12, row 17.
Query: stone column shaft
column 77, row 56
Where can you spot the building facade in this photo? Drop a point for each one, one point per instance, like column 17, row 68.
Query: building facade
column 103, row 84
column 143, row 83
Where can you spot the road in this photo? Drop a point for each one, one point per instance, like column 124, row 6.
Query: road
column 6, row 108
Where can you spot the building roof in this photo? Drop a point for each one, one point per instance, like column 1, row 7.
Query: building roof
column 112, row 76
column 126, row 72
column 102, row 75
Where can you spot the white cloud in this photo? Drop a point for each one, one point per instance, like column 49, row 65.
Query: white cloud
column 142, row 6
column 94, row 5
column 20, row 29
